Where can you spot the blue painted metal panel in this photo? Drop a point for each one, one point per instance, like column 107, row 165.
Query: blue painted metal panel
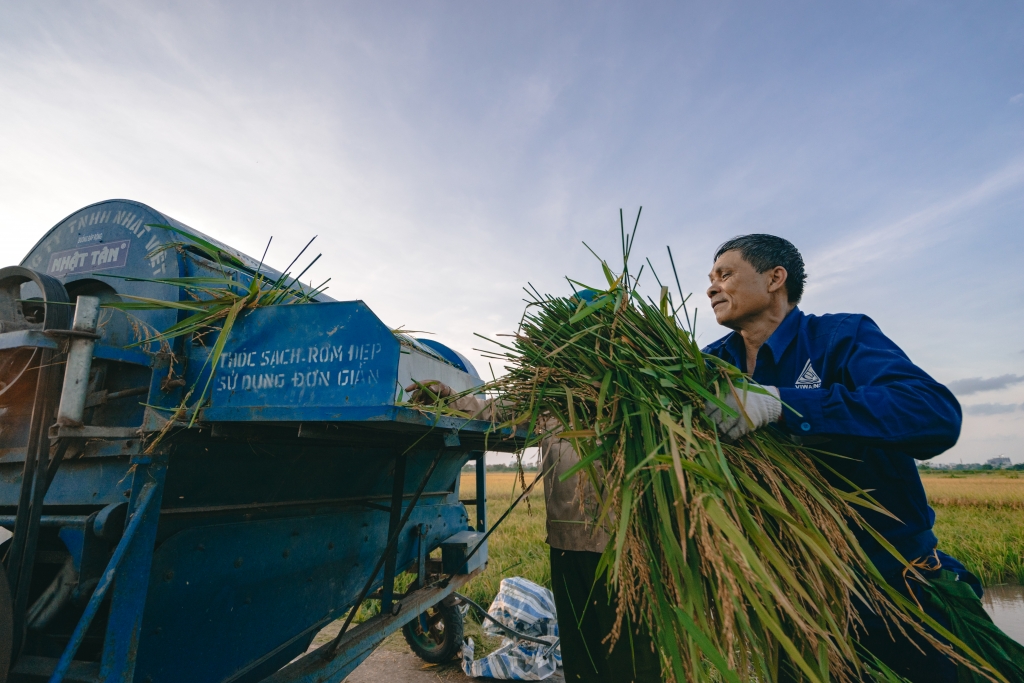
column 129, row 597
column 121, row 355
column 464, row 553
column 284, row 360
column 329, row 413
column 29, row 338
column 262, row 477
column 228, row 593
column 91, row 482
column 124, row 225
column 144, row 518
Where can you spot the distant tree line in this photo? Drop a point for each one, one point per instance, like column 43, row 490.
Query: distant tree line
column 970, row 466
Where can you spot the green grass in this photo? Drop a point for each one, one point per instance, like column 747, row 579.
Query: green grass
column 990, row 542
column 979, row 519
column 517, row 547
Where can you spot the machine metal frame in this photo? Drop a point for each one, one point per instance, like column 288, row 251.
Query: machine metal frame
column 273, row 500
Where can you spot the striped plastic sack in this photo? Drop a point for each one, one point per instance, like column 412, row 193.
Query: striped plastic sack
column 529, row 609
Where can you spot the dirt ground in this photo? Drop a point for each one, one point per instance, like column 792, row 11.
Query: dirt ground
column 393, row 662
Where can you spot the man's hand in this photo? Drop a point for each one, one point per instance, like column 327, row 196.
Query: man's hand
column 428, row 392
column 762, row 409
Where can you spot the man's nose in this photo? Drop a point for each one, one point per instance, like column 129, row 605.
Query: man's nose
column 712, row 290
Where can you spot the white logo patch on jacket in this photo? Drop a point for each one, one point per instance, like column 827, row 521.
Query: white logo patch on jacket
column 808, row 378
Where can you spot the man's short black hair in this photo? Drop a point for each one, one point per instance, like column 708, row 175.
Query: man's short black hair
column 765, row 252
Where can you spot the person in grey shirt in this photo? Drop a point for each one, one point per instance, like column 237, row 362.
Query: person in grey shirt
column 587, row 610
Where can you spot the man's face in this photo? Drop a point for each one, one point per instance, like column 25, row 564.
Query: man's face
column 738, row 292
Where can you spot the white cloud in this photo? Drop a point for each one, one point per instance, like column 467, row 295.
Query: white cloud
column 839, row 263
column 991, row 408
column 973, row 385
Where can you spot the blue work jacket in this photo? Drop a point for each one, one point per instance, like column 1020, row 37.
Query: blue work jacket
column 855, row 394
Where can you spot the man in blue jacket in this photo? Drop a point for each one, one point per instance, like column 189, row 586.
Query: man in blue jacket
column 853, row 393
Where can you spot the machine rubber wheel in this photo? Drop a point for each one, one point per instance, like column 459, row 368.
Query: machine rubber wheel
column 436, row 635
column 6, row 626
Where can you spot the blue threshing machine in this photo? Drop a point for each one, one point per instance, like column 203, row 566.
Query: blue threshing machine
column 217, row 553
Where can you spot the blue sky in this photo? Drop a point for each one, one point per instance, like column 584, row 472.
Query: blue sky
column 448, row 153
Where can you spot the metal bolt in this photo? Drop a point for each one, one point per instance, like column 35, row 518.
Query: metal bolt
column 169, row 575
column 330, row 546
column 238, row 562
column 285, row 553
column 248, row 601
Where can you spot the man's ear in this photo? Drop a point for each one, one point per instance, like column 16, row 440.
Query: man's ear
column 777, row 279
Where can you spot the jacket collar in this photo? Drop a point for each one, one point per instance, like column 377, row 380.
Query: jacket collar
column 777, row 344
column 785, row 333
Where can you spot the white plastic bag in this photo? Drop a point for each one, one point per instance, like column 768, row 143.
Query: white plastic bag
column 529, row 609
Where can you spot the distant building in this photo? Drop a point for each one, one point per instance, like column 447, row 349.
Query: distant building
column 998, row 463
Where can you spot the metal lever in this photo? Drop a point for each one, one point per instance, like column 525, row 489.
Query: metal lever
column 76, row 371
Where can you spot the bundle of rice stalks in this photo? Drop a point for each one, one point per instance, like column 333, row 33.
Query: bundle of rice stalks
column 738, row 556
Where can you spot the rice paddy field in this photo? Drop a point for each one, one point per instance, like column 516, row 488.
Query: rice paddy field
column 517, row 547
column 979, row 520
